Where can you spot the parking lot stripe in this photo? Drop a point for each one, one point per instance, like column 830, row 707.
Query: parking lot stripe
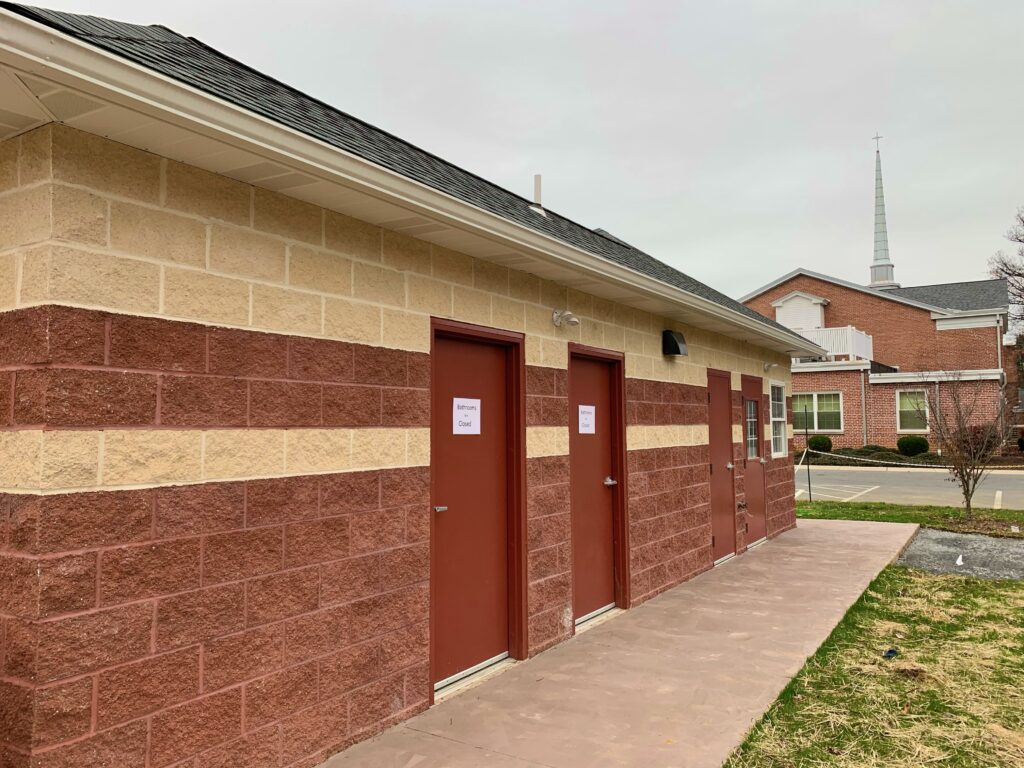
column 866, row 490
column 998, row 503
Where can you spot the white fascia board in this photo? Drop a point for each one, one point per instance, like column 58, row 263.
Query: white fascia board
column 40, row 50
column 801, row 294
column 845, row 284
column 975, row 318
column 921, row 377
column 829, row 365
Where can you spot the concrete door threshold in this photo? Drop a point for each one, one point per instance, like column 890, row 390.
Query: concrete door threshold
column 472, row 681
column 674, row 683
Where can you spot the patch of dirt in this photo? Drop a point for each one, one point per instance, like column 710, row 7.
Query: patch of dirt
column 984, row 525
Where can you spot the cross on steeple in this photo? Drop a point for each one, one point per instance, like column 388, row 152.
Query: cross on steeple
column 877, row 138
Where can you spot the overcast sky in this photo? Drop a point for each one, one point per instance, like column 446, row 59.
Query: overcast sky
column 731, row 140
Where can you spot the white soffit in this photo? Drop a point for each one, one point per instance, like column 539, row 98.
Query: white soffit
column 20, row 110
column 94, row 113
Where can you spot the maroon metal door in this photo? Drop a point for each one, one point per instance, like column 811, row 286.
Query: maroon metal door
column 753, row 451
column 723, row 516
column 593, row 484
column 470, row 566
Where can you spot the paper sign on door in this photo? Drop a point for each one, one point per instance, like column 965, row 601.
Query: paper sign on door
column 587, row 419
column 465, row 416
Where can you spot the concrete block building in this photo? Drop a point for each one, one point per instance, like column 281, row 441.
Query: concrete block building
column 299, row 423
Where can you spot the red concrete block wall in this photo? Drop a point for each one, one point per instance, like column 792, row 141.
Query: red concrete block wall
column 669, row 518
column 904, row 336
column 274, row 618
column 549, row 552
column 270, row 621
column 669, row 491
column 548, row 545
column 124, row 371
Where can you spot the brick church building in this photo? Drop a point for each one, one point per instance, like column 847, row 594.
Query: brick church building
column 887, row 346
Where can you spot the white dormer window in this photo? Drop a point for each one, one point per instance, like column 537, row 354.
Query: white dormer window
column 800, row 311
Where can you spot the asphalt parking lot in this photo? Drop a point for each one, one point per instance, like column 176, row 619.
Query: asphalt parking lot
column 966, row 554
column 999, row 490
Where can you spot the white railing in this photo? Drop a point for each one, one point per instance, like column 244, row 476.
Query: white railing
column 846, row 342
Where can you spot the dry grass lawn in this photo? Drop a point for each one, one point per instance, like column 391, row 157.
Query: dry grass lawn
column 953, row 696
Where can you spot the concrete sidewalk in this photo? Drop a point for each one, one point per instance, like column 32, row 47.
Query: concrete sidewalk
column 675, row 682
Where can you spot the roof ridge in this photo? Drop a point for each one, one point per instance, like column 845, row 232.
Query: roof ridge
column 953, row 282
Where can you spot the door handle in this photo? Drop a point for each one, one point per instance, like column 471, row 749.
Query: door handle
column 730, row 466
column 610, row 481
column 440, row 509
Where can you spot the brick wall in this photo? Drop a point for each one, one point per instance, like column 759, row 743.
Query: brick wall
column 983, row 398
column 214, row 426
column 903, row 336
column 880, row 400
column 848, row 383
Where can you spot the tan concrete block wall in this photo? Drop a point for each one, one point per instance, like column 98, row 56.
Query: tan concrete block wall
column 113, row 459
column 129, row 231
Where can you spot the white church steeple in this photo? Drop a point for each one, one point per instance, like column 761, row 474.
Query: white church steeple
column 881, row 268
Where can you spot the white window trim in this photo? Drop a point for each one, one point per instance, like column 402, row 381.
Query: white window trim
column 927, row 416
column 814, row 413
column 772, row 421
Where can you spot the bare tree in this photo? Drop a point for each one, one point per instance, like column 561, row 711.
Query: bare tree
column 970, row 430
column 1011, row 267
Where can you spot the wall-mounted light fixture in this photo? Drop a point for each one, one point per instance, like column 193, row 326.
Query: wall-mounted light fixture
column 562, row 317
column 769, row 366
column 673, row 344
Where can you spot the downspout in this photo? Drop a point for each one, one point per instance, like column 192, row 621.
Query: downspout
column 864, row 406
column 1002, row 377
column 999, row 343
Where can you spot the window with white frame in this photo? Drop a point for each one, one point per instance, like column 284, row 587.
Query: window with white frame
column 779, row 436
column 753, row 428
column 818, row 411
column 912, row 411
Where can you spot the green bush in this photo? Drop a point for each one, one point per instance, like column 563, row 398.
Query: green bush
column 821, row 443
column 912, row 445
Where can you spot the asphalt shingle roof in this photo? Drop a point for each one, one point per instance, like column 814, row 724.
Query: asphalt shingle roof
column 196, row 64
column 977, row 294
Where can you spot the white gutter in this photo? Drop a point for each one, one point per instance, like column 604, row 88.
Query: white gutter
column 832, row 365
column 910, row 377
column 992, row 312
column 43, row 51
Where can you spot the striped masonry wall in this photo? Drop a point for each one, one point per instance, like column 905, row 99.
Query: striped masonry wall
column 214, row 486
